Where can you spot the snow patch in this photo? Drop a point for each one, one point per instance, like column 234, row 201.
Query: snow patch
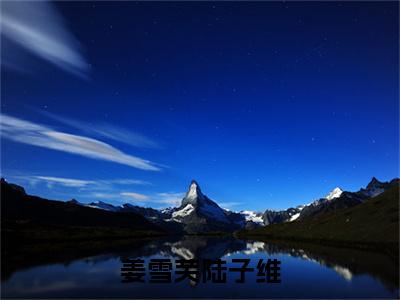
column 344, row 272
column 192, row 193
column 294, row 217
column 182, row 252
column 252, row 216
column 187, row 210
column 252, row 248
column 167, row 210
column 335, row 193
column 103, row 206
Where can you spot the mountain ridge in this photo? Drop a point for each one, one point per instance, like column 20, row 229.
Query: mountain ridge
column 371, row 225
column 25, row 216
column 199, row 214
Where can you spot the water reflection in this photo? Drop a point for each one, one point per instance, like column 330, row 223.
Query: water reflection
column 93, row 270
column 344, row 261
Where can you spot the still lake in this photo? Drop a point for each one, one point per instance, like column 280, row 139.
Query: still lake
column 307, row 271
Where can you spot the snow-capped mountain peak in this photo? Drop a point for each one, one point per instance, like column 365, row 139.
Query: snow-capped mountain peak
column 194, row 190
column 335, row 193
column 198, row 211
column 194, row 195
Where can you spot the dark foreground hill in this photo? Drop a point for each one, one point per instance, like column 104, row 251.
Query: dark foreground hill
column 374, row 223
column 30, row 217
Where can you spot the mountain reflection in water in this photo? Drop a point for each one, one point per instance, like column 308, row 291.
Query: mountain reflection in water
column 308, row 271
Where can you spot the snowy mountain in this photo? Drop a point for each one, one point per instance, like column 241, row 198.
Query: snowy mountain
column 335, row 193
column 104, row 206
column 252, row 216
column 288, row 215
column 149, row 213
column 197, row 213
column 376, row 187
column 338, row 199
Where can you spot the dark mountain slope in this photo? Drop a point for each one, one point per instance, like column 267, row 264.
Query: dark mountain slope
column 323, row 206
column 374, row 221
column 347, row 199
column 22, row 214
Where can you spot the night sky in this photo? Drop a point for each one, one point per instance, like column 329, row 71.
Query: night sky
column 265, row 104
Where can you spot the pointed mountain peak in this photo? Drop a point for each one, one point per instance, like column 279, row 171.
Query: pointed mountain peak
column 373, row 183
column 335, row 193
column 193, row 183
column 73, row 201
column 98, row 202
column 193, row 195
column 194, row 190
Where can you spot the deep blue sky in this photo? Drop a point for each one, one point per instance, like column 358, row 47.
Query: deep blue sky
column 265, row 104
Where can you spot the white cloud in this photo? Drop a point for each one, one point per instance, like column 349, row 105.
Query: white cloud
column 98, row 184
column 65, row 181
column 170, row 199
column 136, row 196
column 228, row 205
column 106, row 130
column 124, row 182
column 165, row 199
column 30, row 133
column 37, row 27
column 108, row 189
column 102, row 195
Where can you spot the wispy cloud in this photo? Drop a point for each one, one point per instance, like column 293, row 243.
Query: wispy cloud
column 229, row 205
column 64, row 181
column 26, row 132
column 105, row 130
column 98, row 184
column 37, row 27
column 117, row 191
column 170, row 199
column 124, row 181
column 135, row 196
column 103, row 196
